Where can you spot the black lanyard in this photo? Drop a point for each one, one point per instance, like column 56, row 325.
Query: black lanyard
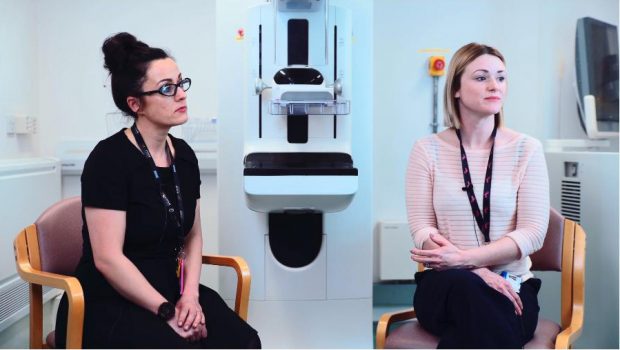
column 177, row 219
column 484, row 220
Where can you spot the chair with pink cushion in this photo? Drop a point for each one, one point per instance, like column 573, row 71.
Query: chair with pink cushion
column 563, row 250
column 47, row 253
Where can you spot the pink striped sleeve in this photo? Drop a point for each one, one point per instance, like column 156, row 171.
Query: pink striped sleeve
column 419, row 195
column 532, row 201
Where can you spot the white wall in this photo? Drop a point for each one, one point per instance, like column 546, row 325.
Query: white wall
column 73, row 85
column 18, row 75
column 230, row 60
column 536, row 39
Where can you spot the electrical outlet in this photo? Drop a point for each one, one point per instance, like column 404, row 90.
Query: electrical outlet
column 21, row 125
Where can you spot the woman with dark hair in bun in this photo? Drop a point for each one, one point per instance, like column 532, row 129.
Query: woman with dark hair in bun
column 141, row 261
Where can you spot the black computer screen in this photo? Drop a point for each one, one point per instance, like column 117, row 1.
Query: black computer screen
column 596, row 61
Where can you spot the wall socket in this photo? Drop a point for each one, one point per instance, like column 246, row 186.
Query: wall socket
column 21, row 125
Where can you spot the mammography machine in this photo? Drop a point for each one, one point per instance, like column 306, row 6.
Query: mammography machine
column 311, row 276
column 297, row 143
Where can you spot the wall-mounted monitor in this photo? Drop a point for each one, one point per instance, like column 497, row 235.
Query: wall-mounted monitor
column 596, row 64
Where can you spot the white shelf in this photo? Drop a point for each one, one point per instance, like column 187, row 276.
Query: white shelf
column 326, row 107
column 325, row 193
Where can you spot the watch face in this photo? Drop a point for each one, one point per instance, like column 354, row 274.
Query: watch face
column 166, row 311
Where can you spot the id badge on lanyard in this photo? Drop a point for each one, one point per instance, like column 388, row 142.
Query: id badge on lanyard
column 181, row 270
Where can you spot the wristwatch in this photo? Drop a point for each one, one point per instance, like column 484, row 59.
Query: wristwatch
column 166, row 311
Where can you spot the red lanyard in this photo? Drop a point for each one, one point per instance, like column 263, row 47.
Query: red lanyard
column 483, row 220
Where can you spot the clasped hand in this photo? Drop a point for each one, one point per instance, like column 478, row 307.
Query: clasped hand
column 501, row 285
column 189, row 319
column 446, row 256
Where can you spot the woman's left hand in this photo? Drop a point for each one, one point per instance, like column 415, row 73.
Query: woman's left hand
column 447, row 256
column 190, row 311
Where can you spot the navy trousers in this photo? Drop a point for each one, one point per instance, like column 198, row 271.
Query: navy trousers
column 464, row 312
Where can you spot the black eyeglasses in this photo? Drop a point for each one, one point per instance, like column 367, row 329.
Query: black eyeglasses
column 170, row 89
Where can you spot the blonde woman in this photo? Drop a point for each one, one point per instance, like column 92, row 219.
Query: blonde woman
column 478, row 203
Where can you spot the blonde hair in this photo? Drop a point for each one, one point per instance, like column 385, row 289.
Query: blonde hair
column 463, row 57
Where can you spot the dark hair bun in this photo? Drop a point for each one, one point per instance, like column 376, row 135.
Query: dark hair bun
column 127, row 60
column 120, row 50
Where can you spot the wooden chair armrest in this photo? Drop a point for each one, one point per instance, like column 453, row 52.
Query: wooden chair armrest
column 568, row 336
column 244, row 279
column 70, row 285
column 386, row 320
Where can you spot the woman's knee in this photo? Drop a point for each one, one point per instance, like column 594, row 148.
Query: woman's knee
column 461, row 280
column 254, row 341
column 472, row 295
column 209, row 297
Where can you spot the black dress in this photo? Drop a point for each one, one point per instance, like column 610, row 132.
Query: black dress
column 117, row 176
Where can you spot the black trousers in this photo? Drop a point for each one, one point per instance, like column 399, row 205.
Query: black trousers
column 464, row 312
column 119, row 323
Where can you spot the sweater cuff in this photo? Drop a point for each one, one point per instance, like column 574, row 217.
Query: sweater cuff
column 420, row 236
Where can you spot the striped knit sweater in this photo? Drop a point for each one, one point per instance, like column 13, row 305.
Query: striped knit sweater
column 436, row 202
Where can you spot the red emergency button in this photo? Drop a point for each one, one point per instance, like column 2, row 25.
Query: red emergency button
column 437, row 65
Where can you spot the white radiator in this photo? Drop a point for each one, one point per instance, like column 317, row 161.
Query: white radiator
column 584, row 187
column 28, row 186
column 394, row 257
